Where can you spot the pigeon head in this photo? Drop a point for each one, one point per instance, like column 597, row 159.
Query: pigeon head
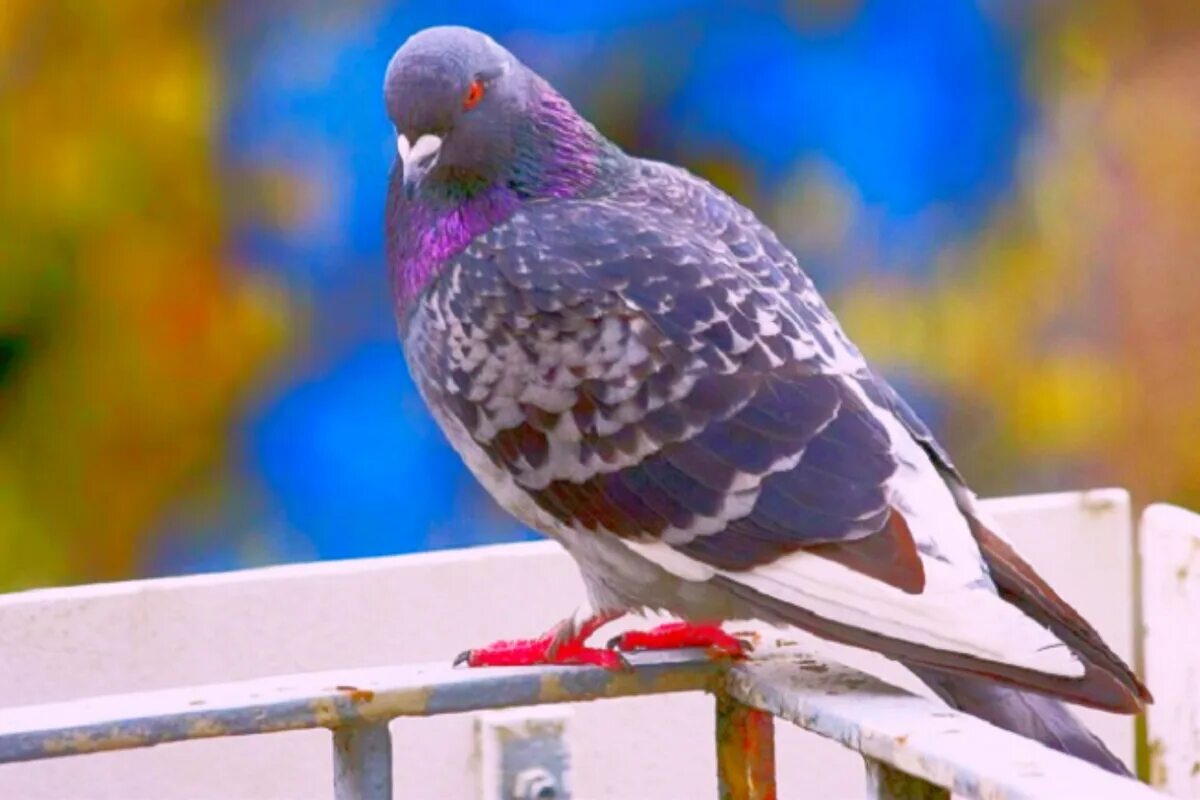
column 477, row 134
column 469, row 116
column 457, row 100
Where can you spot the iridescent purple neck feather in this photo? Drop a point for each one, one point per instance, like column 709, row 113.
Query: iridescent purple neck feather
column 558, row 155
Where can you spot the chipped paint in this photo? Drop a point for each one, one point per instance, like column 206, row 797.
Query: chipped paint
column 204, row 728
column 78, row 742
column 886, row 783
column 356, row 694
column 325, row 712
column 362, row 763
column 1098, row 501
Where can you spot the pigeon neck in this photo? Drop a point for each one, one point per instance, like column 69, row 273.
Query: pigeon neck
column 563, row 155
column 424, row 236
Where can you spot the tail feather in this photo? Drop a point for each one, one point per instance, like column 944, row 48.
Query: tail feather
column 1034, row 716
column 1018, row 583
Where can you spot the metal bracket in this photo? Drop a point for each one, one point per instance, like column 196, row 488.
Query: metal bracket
column 523, row 754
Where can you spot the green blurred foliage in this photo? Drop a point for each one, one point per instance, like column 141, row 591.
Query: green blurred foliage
column 125, row 342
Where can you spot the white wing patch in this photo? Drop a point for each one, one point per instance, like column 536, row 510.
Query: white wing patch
column 673, row 561
column 948, row 615
column 958, row 611
column 923, row 497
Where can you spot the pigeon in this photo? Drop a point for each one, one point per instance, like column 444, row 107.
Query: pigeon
column 632, row 364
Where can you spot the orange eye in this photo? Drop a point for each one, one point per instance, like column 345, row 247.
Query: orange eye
column 474, row 95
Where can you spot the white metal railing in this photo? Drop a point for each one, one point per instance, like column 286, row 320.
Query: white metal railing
column 86, row 669
column 913, row 747
column 1170, row 549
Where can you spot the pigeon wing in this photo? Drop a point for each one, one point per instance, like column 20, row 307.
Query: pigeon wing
column 673, row 383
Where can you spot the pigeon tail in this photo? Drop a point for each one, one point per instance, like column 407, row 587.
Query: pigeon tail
column 1035, row 716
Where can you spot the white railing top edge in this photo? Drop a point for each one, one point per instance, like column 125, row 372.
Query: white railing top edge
column 918, row 736
column 1169, row 516
column 297, row 571
column 1098, row 500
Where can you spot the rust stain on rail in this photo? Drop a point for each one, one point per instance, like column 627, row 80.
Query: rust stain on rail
column 78, row 743
column 356, row 694
column 745, row 751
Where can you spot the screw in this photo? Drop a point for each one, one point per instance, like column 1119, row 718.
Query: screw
column 535, row 783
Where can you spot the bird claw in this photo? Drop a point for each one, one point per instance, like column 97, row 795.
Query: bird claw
column 562, row 645
column 676, row 635
column 537, row 652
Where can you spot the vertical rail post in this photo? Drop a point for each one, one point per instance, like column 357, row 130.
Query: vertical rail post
column 885, row 782
column 362, row 762
column 745, row 751
column 1170, row 554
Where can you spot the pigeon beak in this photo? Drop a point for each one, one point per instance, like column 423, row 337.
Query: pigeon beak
column 418, row 158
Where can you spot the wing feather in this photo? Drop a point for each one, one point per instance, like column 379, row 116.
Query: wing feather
column 673, row 381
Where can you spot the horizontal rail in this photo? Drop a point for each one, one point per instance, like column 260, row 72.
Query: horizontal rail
column 916, row 736
column 323, row 700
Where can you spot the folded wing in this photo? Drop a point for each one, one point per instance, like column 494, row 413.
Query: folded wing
column 676, row 386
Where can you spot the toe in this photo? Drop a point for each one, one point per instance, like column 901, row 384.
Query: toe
column 608, row 659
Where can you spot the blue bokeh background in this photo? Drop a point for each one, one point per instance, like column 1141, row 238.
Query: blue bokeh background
column 915, row 110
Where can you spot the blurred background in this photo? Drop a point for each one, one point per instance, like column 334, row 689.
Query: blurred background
column 198, row 365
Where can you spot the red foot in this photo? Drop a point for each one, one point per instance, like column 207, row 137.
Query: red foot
column 674, row 635
column 553, row 647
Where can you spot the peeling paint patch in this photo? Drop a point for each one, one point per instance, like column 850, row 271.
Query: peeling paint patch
column 1100, row 502
column 356, row 694
column 204, row 728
